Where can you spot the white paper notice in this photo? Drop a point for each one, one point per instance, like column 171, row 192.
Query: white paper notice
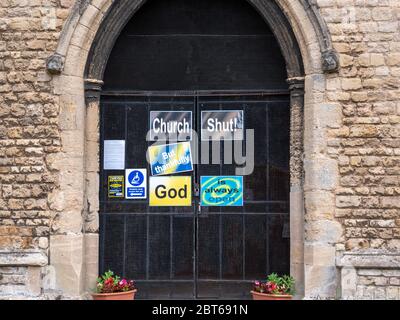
column 114, row 154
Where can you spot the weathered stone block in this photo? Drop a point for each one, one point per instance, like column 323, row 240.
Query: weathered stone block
column 354, row 244
column 68, row 222
column 351, row 84
column 22, row 258
column 49, row 278
column 323, row 231
column 91, row 260
column 392, row 293
column 369, row 272
column 319, row 205
column 319, row 255
column 34, row 281
column 348, row 201
column 320, row 174
column 366, row 131
column 320, row 282
column 373, row 281
column 348, row 284
column 390, row 202
column 67, row 259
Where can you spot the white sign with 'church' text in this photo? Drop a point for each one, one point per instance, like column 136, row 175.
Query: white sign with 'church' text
column 176, row 125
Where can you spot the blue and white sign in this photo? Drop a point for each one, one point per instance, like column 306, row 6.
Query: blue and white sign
column 136, row 183
column 170, row 158
column 221, row 191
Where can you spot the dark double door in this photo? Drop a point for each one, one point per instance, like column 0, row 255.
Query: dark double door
column 199, row 252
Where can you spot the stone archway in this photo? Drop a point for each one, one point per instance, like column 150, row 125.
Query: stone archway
column 90, row 32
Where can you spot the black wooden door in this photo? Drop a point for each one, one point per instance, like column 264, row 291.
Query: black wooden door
column 152, row 245
column 236, row 245
column 199, row 252
column 186, row 47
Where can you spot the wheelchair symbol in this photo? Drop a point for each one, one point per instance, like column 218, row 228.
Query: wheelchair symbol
column 136, row 178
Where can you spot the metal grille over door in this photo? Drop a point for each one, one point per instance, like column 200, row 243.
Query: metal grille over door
column 199, row 252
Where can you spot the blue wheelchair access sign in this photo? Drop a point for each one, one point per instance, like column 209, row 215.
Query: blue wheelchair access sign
column 221, row 191
column 136, row 184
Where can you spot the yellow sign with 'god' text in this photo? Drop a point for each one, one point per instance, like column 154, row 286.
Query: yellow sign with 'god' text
column 170, row 191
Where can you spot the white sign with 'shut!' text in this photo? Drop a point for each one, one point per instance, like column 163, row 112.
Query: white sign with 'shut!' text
column 222, row 125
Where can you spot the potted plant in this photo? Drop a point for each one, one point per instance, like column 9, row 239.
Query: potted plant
column 112, row 287
column 275, row 288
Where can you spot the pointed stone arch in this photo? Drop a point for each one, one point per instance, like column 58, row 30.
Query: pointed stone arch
column 112, row 16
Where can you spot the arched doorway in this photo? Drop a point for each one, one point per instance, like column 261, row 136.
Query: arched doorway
column 196, row 57
column 78, row 65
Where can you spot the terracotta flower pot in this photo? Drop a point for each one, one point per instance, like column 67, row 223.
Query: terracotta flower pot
column 265, row 296
column 128, row 295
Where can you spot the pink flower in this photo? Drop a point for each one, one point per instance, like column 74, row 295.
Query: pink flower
column 123, row 282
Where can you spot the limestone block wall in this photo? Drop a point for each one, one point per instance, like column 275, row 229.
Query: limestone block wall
column 352, row 158
column 367, row 144
column 370, row 274
column 378, row 284
column 29, row 141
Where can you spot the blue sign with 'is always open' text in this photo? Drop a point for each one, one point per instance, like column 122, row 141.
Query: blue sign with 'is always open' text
column 221, row 191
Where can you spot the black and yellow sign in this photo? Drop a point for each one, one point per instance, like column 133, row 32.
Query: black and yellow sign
column 116, row 186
